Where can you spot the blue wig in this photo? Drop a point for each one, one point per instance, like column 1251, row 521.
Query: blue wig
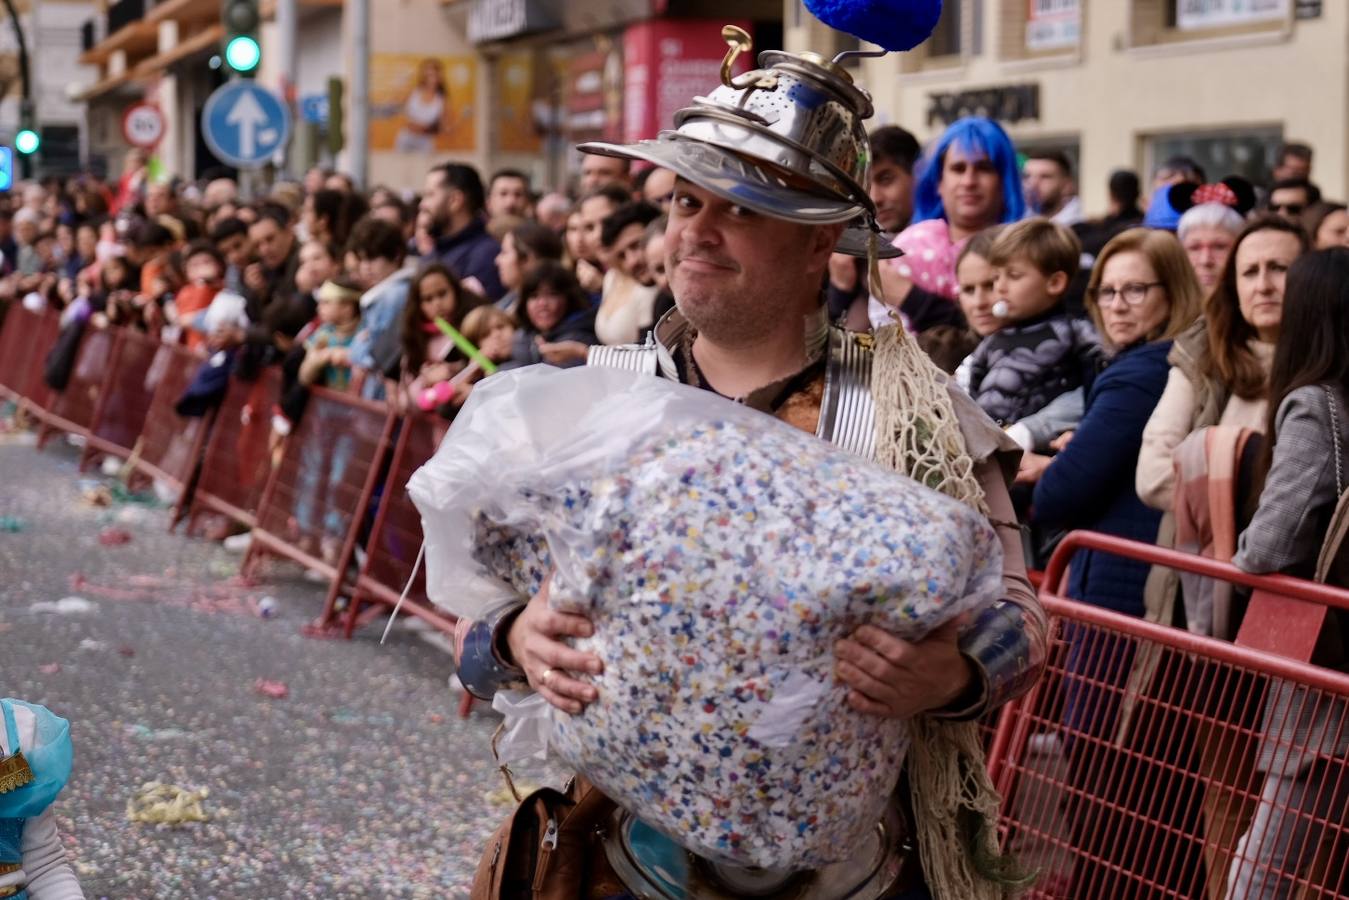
column 976, row 137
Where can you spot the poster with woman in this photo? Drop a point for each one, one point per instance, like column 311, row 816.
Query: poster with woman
column 422, row 104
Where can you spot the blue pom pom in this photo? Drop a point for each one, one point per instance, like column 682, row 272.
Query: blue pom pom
column 892, row 24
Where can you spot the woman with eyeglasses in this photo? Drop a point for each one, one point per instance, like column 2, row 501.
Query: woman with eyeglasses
column 1142, row 295
column 1220, row 367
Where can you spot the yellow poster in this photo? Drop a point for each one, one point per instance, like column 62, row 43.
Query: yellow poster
column 422, row 104
column 515, row 92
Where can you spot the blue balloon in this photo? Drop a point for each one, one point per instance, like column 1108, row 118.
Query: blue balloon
column 892, row 24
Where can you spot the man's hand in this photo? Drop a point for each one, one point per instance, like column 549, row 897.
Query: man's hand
column 535, row 644
column 562, row 352
column 1033, row 466
column 843, row 272
column 589, row 275
column 897, row 679
column 254, row 279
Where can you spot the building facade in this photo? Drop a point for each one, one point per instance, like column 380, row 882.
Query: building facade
column 1126, row 83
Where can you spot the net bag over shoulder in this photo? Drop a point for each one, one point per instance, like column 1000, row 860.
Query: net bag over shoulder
column 720, row 554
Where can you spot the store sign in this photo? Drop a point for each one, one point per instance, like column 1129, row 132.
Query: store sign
column 1053, row 24
column 1013, row 103
column 1204, row 14
column 666, row 63
column 594, row 105
column 495, row 20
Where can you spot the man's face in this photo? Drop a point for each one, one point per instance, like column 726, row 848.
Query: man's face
column 730, row 268
column 1047, row 186
column 970, row 189
column 891, row 189
column 659, row 189
column 1293, row 167
column 655, row 262
column 436, row 204
column 158, row 200
column 236, row 249
column 597, row 171
column 593, row 213
column 1288, row 202
column 628, row 254
column 508, row 197
column 271, row 241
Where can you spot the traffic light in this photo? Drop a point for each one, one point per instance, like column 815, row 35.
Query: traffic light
column 240, row 19
column 26, row 140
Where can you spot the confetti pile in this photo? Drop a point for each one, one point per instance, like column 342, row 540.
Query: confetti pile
column 719, row 566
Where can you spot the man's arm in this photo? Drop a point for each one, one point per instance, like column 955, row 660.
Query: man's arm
column 1007, row 643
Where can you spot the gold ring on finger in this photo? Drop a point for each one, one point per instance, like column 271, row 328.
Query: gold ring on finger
column 547, row 674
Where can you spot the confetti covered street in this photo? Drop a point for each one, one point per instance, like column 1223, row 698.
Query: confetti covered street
column 323, row 768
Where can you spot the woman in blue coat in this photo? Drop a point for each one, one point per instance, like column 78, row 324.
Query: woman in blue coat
column 1142, row 294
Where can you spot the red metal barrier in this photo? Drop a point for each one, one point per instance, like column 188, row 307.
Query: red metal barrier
column 238, row 459
column 124, row 401
column 171, row 445
column 396, row 536
column 314, row 506
column 25, row 340
column 73, row 409
column 1225, row 777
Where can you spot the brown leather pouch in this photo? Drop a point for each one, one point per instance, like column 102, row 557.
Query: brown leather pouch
column 549, row 848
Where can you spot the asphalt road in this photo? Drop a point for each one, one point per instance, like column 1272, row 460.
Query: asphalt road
column 361, row 782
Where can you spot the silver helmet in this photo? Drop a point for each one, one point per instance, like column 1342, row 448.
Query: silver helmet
column 786, row 140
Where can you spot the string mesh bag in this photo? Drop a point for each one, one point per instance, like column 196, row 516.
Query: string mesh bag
column 955, row 803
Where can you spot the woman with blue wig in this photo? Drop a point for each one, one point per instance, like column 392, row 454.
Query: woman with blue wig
column 968, row 181
column 35, row 757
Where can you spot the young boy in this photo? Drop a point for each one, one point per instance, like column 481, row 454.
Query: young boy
column 327, row 361
column 204, row 268
column 1039, row 353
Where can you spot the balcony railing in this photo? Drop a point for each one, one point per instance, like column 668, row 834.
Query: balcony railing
column 123, row 13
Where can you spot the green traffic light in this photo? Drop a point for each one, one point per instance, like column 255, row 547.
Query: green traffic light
column 242, row 53
column 27, row 141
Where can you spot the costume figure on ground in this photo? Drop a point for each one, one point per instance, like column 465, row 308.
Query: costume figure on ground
column 748, row 246
column 35, row 757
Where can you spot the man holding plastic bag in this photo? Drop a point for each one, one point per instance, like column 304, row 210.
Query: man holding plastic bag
column 743, row 630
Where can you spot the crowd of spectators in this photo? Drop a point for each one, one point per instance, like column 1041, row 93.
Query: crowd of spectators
column 1194, row 331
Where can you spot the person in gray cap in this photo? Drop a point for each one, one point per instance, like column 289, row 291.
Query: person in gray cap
column 770, row 169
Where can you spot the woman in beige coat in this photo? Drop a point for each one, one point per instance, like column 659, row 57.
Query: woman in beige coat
column 1219, row 376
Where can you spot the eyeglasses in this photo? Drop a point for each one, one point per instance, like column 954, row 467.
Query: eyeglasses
column 1134, row 293
column 1292, row 209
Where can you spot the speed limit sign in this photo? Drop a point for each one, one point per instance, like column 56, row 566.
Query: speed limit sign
column 142, row 125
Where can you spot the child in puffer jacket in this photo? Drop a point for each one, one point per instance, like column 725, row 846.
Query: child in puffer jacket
column 1033, row 373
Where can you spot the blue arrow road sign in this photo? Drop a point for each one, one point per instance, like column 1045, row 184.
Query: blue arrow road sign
column 314, row 108
column 245, row 124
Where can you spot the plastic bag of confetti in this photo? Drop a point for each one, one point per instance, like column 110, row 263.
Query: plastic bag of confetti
column 720, row 553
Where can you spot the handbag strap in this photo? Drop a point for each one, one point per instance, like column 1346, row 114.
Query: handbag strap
column 1335, row 436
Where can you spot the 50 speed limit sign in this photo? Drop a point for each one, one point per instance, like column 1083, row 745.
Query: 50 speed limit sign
column 142, row 125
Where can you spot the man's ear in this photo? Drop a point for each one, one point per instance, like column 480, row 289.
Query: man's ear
column 823, row 240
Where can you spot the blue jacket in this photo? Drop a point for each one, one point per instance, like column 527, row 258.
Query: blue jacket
column 1091, row 483
column 471, row 253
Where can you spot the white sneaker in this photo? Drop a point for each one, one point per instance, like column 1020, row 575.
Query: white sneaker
column 238, row 543
column 111, row 466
